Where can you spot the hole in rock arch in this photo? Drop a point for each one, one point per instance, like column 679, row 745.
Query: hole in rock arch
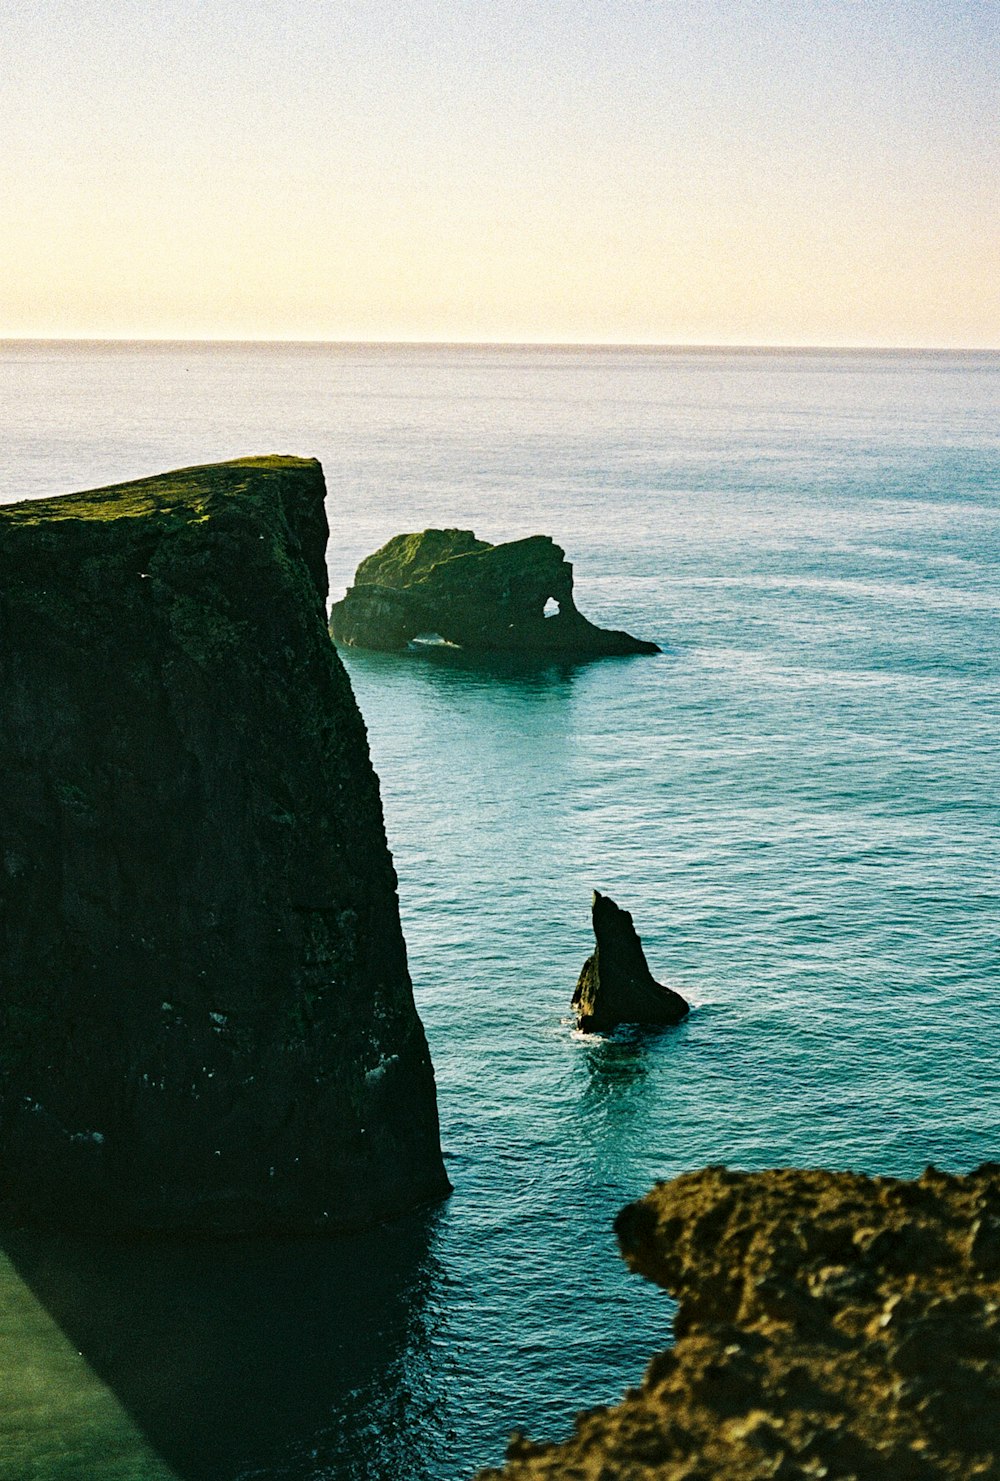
column 551, row 608
column 430, row 640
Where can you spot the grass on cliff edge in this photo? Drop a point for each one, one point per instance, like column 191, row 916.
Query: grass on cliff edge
column 190, row 490
column 408, row 558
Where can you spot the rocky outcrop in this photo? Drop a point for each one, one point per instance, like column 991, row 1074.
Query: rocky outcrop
column 830, row 1324
column 477, row 596
column 206, row 1019
column 616, row 985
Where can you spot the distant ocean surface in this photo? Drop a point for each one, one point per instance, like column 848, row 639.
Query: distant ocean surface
column 798, row 801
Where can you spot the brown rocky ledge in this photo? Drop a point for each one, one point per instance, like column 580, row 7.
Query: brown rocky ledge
column 830, row 1326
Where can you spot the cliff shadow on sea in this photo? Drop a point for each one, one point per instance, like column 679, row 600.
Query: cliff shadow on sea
column 287, row 1358
column 446, row 666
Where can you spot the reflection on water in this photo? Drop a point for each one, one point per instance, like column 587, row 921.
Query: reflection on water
column 284, row 1358
column 615, row 1062
column 626, row 1077
column 445, row 667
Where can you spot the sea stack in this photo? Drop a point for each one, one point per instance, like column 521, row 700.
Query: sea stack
column 513, row 598
column 206, row 1018
column 616, row 985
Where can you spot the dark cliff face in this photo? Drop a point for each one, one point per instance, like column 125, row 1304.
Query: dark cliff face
column 206, row 1019
column 830, row 1324
column 486, row 598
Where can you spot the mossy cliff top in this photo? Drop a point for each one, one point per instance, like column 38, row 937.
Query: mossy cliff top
column 190, row 492
column 406, row 559
column 206, row 1020
column 483, row 597
column 830, row 1325
column 270, row 489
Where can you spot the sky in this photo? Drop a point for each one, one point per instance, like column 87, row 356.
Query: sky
column 575, row 171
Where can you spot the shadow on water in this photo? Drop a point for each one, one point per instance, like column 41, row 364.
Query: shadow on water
column 443, row 665
column 622, row 1077
column 616, row 1062
column 283, row 1359
column 617, row 1087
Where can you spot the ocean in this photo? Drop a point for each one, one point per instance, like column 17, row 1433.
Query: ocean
column 797, row 800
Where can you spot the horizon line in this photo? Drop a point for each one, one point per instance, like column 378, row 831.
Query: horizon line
column 504, row 344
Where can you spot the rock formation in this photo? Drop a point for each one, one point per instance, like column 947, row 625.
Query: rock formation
column 482, row 597
column 616, row 986
column 206, row 1019
column 830, row 1325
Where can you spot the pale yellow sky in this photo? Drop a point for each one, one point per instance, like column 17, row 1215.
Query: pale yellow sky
column 769, row 171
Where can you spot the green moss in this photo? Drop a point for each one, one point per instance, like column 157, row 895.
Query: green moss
column 408, row 558
column 184, row 493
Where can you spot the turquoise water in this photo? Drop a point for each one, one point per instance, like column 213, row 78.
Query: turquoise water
column 798, row 801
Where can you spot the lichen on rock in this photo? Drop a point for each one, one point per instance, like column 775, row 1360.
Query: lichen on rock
column 481, row 597
column 830, row 1325
column 201, row 961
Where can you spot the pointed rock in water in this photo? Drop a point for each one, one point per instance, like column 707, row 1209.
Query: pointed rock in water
column 480, row 597
column 206, row 1018
column 616, row 986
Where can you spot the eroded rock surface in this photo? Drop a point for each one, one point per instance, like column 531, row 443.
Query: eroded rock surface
column 830, row 1325
column 206, row 1019
column 616, row 985
column 482, row 597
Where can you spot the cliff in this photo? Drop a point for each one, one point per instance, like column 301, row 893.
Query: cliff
column 830, row 1325
column 206, row 1018
column 482, row 597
